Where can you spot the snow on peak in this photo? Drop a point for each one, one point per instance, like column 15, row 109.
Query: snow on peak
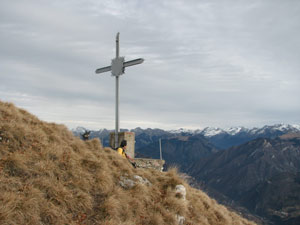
column 212, row 131
column 276, row 127
column 181, row 130
column 280, row 127
column 235, row 130
column 296, row 126
column 285, row 127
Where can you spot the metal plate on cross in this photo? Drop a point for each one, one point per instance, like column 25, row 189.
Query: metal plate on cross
column 117, row 66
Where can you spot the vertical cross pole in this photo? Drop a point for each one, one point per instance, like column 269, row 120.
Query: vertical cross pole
column 117, row 68
column 160, row 155
column 117, row 129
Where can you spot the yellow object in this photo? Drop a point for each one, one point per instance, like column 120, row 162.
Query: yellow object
column 121, row 152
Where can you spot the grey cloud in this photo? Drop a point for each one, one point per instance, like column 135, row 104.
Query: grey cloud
column 208, row 63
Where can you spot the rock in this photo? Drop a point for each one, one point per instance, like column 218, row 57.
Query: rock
column 156, row 164
column 128, row 183
column 142, row 180
column 180, row 219
column 180, row 191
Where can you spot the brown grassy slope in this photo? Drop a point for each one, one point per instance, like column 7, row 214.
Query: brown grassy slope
column 48, row 176
column 290, row 136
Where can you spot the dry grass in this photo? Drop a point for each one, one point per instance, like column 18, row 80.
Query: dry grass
column 48, row 176
column 290, row 136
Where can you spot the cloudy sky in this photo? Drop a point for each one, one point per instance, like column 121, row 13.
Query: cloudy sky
column 217, row 63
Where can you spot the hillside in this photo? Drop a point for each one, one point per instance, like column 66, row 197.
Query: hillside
column 261, row 175
column 49, row 176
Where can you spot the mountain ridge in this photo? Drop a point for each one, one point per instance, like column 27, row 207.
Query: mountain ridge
column 207, row 131
column 221, row 138
column 261, row 175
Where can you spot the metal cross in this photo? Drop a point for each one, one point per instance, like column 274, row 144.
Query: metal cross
column 117, row 68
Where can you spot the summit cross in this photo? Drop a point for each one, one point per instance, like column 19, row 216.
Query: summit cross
column 117, row 68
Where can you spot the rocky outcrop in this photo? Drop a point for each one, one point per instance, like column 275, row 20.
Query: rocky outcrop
column 180, row 191
column 128, row 183
column 156, row 164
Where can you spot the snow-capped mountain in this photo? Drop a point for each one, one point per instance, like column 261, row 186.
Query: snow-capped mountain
column 182, row 130
column 225, row 138
column 208, row 131
column 276, row 128
column 213, row 131
column 236, row 130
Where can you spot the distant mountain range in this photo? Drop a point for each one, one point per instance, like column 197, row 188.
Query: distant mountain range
column 224, row 139
column 220, row 138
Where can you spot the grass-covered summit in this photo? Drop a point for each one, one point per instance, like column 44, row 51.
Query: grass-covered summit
column 49, row 176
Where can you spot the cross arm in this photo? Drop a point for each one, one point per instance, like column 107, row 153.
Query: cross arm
column 133, row 62
column 103, row 69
